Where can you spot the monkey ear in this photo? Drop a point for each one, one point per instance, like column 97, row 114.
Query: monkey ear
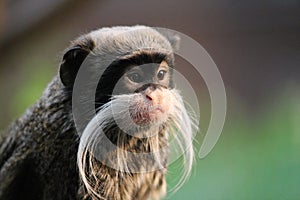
column 172, row 37
column 70, row 64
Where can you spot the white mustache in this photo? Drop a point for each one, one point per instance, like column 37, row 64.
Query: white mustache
column 96, row 147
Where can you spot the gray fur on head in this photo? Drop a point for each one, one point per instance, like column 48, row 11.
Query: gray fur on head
column 119, row 40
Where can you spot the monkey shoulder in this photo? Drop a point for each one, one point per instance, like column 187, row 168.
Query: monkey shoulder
column 38, row 152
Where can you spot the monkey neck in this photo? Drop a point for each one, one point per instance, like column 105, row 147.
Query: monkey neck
column 142, row 141
column 50, row 116
column 56, row 103
column 140, row 153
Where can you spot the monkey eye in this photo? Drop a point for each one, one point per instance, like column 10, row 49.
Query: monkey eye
column 135, row 77
column 161, row 74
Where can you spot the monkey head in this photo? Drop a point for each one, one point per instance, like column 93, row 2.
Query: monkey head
column 133, row 60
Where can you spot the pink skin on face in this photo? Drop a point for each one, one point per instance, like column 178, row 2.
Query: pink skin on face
column 151, row 107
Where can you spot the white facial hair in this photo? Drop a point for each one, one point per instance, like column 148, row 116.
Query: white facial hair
column 94, row 143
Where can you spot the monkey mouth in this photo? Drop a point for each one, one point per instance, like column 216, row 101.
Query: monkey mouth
column 148, row 115
column 156, row 109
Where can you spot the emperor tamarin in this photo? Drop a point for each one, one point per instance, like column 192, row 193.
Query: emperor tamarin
column 102, row 127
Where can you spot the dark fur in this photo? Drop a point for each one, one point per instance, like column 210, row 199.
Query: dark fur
column 38, row 156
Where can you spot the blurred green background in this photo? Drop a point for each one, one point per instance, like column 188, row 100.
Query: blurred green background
column 255, row 44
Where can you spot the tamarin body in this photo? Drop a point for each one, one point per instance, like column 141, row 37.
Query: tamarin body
column 122, row 151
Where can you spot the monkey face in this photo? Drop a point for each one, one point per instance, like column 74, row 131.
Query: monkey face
column 150, row 81
column 144, row 72
column 136, row 61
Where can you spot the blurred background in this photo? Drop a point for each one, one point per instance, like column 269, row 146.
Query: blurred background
column 255, row 45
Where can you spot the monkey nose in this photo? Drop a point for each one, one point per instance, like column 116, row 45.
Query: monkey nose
column 153, row 97
column 148, row 97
